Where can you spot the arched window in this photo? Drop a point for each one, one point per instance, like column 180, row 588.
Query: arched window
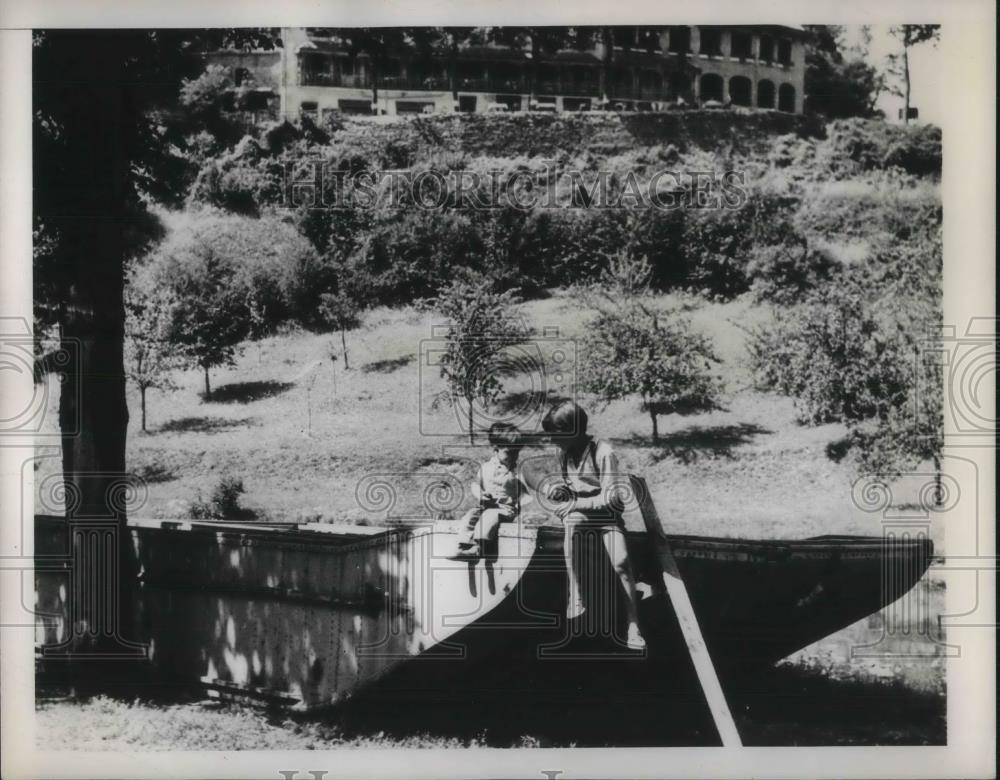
column 786, row 98
column 765, row 94
column 740, row 91
column 712, row 87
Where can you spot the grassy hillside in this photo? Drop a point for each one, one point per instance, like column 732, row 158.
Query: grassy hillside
column 303, row 433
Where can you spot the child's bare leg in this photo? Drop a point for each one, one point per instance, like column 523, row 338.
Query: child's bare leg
column 489, row 523
column 614, row 543
column 469, row 523
column 574, row 598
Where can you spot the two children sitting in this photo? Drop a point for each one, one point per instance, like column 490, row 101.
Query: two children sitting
column 588, row 500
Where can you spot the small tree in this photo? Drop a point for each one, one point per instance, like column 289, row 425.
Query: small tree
column 656, row 356
column 899, row 64
column 340, row 310
column 150, row 355
column 211, row 317
column 632, row 349
column 481, row 327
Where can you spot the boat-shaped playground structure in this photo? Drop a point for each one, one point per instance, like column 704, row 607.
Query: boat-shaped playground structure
column 314, row 614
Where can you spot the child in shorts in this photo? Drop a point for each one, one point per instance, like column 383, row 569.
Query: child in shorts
column 589, row 499
column 499, row 486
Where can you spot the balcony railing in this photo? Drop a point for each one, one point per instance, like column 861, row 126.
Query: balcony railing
column 490, row 85
column 317, row 79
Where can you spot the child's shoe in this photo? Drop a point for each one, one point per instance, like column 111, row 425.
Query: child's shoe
column 635, row 640
column 467, row 551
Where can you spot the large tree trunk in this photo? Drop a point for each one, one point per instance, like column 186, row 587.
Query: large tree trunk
column 656, row 428
column 142, row 404
column 93, row 415
column 208, row 387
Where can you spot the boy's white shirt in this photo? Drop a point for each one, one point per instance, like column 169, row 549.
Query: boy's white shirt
column 524, row 495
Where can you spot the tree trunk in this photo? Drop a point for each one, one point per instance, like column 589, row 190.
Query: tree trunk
column 906, row 81
column 472, row 438
column 374, row 87
column 91, row 215
column 343, row 344
column 208, row 389
column 142, row 404
column 453, row 72
column 656, row 429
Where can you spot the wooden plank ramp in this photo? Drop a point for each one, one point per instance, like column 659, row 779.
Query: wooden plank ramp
column 677, row 594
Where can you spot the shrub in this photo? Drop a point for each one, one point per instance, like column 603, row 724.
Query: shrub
column 781, row 274
column 848, row 355
column 719, row 241
column 868, row 144
column 224, row 503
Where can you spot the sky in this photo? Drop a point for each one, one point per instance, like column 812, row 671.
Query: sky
column 926, row 74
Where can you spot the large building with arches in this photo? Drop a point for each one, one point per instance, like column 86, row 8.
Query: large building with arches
column 321, row 71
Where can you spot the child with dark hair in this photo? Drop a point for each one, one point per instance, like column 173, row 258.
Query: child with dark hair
column 590, row 499
column 499, row 487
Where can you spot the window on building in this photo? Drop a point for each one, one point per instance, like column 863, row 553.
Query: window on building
column 767, row 48
column 711, row 41
column 650, row 38
column 467, row 103
column 712, row 87
column 786, row 98
column 680, row 40
column 309, row 109
column 742, row 45
column 740, row 91
column 785, row 51
column 765, row 94
column 240, row 75
column 349, row 106
column 404, row 107
column 256, row 101
column 513, row 102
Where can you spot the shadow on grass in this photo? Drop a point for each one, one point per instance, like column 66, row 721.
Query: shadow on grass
column 204, row 424
column 619, row 705
column 246, row 392
column 792, row 705
column 389, row 365
column 154, row 473
column 595, row 703
column 697, row 441
column 527, row 403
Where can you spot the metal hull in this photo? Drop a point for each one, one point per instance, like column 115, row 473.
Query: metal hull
column 312, row 615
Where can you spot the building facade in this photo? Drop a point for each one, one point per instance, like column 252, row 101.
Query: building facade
column 317, row 72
